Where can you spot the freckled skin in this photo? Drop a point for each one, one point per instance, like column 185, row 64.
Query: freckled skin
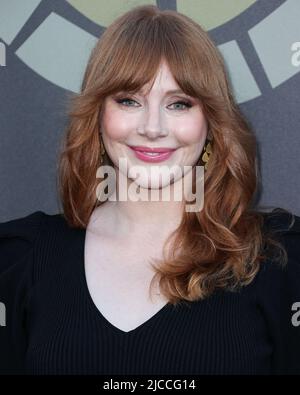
column 154, row 120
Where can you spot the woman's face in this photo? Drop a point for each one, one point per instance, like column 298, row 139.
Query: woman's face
column 158, row 119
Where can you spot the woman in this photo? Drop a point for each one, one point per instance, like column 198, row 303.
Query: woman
column 112, row 286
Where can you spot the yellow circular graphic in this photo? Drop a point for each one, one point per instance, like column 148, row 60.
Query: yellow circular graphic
column 104, row 12
column 58, row 45
column 208, row 13
column 212, row 13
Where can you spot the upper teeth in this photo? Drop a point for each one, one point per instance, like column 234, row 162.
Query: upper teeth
column 151, row 153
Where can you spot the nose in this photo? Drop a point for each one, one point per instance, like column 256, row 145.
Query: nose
column 152, row 125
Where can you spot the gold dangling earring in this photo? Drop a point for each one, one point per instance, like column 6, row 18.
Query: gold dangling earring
column 207, row 153
column 102, row 150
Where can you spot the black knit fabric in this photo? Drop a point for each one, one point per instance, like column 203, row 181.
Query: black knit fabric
column 53, row 326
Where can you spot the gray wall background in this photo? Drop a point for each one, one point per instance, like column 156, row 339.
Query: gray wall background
column 32, row 107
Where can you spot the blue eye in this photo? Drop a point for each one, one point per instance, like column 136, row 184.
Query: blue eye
column 120, row 101
column 187, row 104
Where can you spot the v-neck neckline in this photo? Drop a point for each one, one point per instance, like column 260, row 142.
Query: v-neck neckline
column 98, row 314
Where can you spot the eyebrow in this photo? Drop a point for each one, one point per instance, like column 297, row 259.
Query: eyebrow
column 173, row 91
column 170, row 92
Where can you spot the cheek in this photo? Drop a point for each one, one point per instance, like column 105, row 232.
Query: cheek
column 191, row 130
column 116, row 125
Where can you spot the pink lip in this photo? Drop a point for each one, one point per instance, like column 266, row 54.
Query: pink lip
column 161, row 153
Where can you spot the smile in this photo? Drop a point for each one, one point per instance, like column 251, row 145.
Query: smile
column 153, row 155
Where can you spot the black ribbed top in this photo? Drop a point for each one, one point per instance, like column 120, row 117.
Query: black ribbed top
column 53, row 326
